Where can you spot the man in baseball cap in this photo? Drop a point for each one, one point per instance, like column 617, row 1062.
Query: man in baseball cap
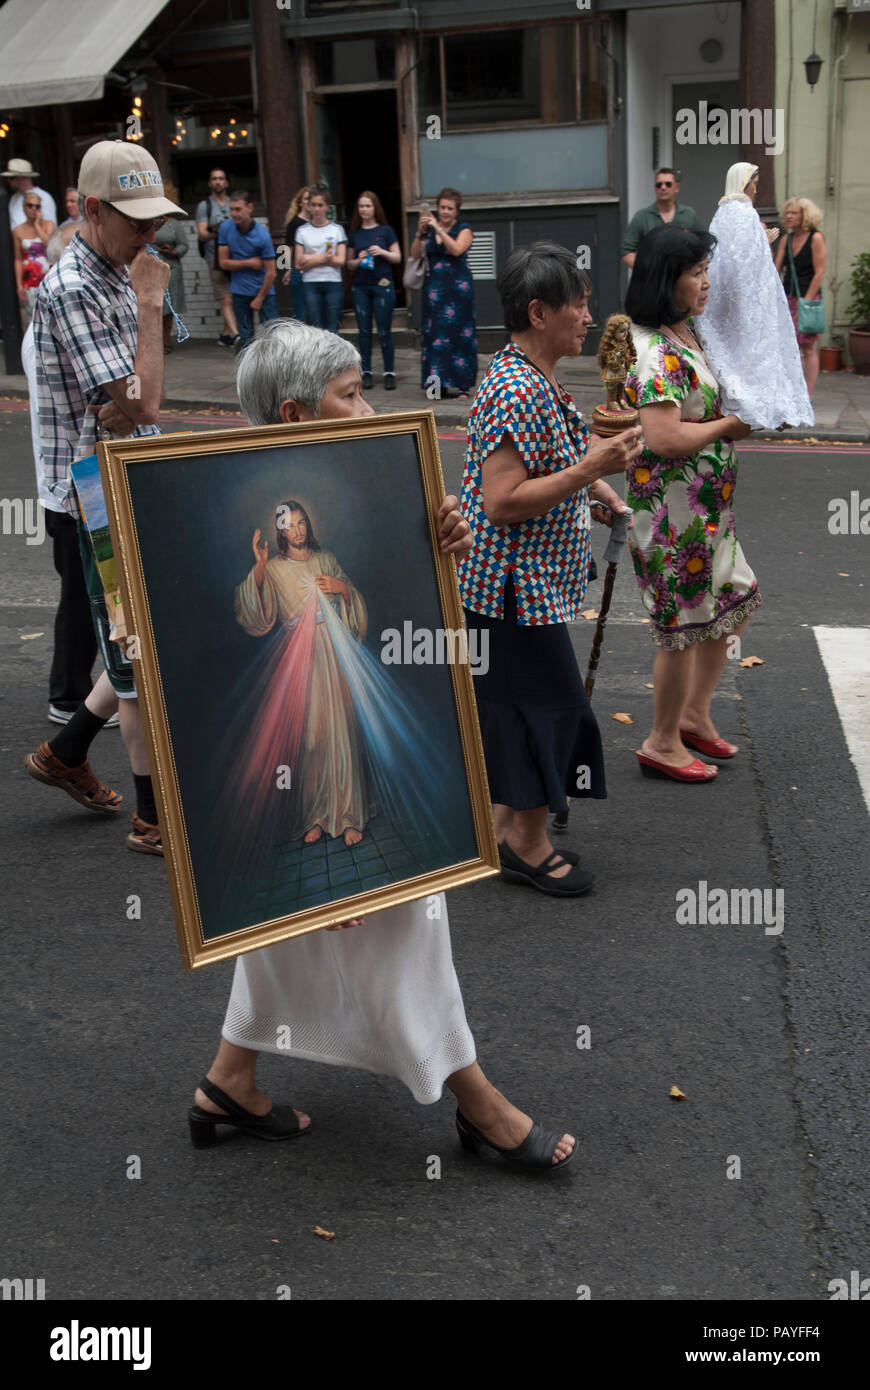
column 22, row 175
column 98, row 339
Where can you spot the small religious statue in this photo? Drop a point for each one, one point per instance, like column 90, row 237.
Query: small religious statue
column 616, row 355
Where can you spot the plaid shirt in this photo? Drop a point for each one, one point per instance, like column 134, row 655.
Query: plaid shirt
column 85, row 330
column 547, row 555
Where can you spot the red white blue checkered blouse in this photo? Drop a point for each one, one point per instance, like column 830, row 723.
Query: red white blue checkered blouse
column 547, row 555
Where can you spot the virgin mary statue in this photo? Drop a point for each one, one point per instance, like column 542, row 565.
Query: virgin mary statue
column 747, row 331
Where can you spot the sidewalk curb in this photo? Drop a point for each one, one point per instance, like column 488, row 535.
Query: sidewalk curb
column 452, row 418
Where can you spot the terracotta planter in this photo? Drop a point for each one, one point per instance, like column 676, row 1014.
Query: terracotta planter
column 859, row 350
column 831, row 359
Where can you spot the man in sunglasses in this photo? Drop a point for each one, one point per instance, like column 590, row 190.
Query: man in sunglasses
column 664, row 209
column 98, row 362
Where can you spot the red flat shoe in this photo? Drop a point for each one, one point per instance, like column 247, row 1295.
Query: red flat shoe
column 695, row 771
column 710, row 747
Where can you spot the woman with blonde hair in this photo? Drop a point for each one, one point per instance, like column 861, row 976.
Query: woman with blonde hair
column 296, row 216
column 801, row 258
column 746, row 330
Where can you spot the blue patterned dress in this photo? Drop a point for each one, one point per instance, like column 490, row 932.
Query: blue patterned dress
column 449, row 337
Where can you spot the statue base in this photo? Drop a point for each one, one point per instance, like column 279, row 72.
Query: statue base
column 607, row 422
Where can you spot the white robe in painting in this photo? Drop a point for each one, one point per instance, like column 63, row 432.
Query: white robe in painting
column 746, row 329
column 329, row 782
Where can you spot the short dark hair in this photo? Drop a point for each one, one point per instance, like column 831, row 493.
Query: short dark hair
column 544, row 271
column 240, row 195
column 284, row 509
column 662, row 256
column 667, row 170
column 451, row 195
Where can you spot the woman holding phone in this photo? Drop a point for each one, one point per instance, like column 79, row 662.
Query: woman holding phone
column 449, row 333
column 321, row 252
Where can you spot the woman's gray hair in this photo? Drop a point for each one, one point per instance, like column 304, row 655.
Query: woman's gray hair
column 290, row 362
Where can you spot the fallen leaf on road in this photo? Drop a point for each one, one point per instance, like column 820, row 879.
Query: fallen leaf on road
column 645, row 620
column 840, row 575
column 752, row 661
column 649, row 686
column 326, row 1235
column 622, row 718
column 29, row 636
column 676, row 1094
column 276, row 1242
column 590, row 614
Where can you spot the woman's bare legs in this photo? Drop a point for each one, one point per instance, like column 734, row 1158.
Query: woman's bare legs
column 673, row 673
column 685, row 683
column 810, row 364
column 233, row 1070
column 710, row 660
column 526, row 834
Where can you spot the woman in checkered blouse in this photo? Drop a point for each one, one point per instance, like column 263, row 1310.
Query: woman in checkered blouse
column 530, row 472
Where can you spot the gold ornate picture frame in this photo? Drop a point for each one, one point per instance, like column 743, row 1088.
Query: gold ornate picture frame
column 300, row 656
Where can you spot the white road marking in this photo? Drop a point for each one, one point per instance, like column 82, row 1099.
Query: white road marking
column 845, row 652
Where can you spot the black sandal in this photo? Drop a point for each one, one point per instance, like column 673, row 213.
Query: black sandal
column 535, row 1152
column 280, row 1123
column 516, row 870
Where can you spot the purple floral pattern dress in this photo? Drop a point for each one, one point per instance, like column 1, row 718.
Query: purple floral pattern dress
column 449, row 336
column 693, row 576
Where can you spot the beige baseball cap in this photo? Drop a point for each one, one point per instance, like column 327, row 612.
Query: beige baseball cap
column 127, row 177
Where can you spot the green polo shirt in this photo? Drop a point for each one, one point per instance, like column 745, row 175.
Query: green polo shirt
column 649, row 218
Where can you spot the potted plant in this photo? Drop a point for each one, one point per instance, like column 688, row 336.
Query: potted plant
column 859, row 314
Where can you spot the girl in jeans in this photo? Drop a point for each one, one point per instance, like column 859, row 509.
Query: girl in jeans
column 373, row 248
column 321, row 250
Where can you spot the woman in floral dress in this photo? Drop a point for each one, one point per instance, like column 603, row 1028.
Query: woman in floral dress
column 693, row 575
column 449, row 333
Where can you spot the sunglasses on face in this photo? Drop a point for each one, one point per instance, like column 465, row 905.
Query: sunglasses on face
column 135, row 223
column 33, row 205
column 669, row 183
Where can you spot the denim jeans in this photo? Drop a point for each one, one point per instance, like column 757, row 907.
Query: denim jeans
column 297, row 289
column 245, row 314
column 324, row 299
column 382, row 300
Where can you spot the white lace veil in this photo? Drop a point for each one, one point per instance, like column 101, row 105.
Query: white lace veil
column 746, row 330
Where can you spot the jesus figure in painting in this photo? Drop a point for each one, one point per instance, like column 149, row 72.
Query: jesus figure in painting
column 306, row 718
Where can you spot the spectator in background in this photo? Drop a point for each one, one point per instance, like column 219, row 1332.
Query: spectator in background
column 321, row 251
column 801, row 258
column 29, row 249
column 373, row 248
column 665, row 209
column 171, row 242
column 297, row 215
column 245, row 250
column 21, row 175
column 72, row 223
column 210, row 213
column 449, row 336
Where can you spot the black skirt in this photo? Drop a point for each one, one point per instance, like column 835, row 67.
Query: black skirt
column 540, row 738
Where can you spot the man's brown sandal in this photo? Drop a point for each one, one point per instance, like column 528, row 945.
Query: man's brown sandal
column 144, row 837
column 78, row 782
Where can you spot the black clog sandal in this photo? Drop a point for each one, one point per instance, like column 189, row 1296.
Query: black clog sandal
column 535, row 1153
column 280, row 1123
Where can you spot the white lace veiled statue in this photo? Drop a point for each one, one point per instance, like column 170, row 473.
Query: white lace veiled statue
column 746, row 331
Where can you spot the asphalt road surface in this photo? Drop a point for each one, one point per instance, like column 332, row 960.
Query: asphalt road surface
column 765, row 1032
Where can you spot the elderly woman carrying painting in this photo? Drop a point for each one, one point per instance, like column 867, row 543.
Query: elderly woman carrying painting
column 384, row 996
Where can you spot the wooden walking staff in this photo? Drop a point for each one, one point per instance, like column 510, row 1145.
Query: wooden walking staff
column 618, row 536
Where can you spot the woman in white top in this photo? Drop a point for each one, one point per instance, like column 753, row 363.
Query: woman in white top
column 321, row 252
column 383, row 997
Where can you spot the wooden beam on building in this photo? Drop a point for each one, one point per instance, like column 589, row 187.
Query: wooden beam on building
column 758, row 85
column 277, row 114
